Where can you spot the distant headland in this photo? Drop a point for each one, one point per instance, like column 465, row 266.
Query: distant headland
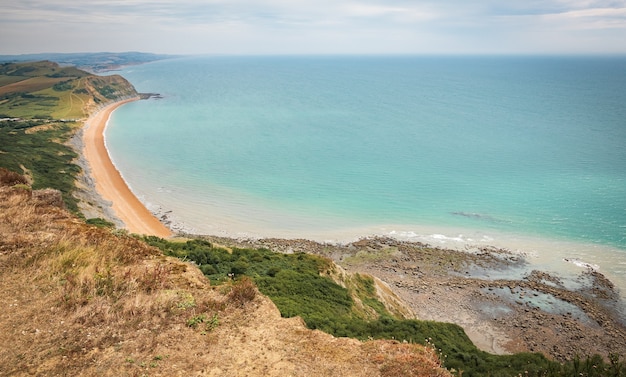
column 92, row 62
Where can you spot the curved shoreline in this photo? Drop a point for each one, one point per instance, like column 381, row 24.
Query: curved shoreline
column 108, row 180
column 457, row 296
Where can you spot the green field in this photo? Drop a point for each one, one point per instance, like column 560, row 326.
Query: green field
column 41, row 90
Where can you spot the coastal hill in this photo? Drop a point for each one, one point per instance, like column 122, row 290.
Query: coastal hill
column 81, row 300
column 43, row 104
column 49, row 91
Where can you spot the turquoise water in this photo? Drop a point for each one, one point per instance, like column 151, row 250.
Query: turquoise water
column 462, row 148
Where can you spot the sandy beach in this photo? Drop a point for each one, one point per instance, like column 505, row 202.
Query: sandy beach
column 108, row 181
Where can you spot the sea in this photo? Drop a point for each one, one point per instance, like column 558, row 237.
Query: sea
column 526, row 153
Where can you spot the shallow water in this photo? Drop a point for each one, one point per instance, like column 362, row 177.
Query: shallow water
column 540, row 300
column 526, row 153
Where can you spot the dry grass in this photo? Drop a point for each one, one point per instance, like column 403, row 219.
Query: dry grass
column 83, row 301
column 9, row 178
column 242, row 292
column 32, row 84
column 403, row 359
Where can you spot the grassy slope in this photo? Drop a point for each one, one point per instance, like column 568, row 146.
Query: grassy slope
column 307, row 286
column 84, row 301
column 348, row 305
column 51, row 101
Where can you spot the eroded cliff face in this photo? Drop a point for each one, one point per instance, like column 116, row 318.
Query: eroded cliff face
column 106, row 89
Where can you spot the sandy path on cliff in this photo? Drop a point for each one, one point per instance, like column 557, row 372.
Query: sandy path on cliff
column 109, row 182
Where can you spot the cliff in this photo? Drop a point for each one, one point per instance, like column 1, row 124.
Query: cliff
column 80, row 300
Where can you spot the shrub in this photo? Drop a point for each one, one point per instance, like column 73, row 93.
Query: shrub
column 242, row 292
column 272, row 271
column 208, row 269
column 239, row 267
column 11, row 178
column 100, row 222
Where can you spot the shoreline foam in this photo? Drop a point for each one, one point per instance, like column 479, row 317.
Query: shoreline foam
column 108, row 180
column 566, row 258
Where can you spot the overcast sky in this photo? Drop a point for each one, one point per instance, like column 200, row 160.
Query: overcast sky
column 313, row 26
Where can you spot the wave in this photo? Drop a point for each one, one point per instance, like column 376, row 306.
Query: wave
column 580, row 263
column 480, row 216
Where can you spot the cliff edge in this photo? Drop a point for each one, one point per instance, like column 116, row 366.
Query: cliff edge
column 80, row 300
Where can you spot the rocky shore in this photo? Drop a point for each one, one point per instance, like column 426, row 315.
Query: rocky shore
column 503, row 305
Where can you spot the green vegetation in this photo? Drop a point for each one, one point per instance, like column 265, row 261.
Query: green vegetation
column 210, row 324
column 300, row 285
column 36, row 99
column 63, row 86
column 100, row 222
column 49, row 164
column 196, row 320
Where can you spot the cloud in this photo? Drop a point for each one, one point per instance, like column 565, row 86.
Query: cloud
column 300, row 26
column 594, row 18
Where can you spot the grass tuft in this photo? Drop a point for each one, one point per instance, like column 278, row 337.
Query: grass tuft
column 242, row 291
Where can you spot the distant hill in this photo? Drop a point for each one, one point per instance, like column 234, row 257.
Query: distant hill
column 92, row 62
column 46, row 89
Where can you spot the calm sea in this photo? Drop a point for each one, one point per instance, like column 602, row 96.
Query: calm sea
column 522, row 152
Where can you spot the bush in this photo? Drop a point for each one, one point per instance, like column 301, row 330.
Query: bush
column 10, row 178
column 239, row 267
column 208, row 269
column 242, row 292
column 100, row 222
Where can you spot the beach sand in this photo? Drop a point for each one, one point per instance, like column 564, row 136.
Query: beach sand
column 110, row 184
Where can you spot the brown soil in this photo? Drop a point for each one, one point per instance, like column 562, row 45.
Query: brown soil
column 81, row 301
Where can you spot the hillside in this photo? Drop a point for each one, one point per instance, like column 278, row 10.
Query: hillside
column 41, row 106
column 80, row 300
column 45, row 90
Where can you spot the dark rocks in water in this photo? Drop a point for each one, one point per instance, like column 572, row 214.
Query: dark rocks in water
column 150, row 95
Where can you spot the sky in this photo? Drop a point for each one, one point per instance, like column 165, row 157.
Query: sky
column 314, row 26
